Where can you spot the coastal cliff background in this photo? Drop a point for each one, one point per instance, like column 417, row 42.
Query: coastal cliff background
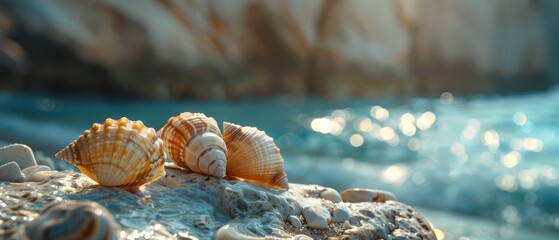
column 451, row 105
column 216, row 49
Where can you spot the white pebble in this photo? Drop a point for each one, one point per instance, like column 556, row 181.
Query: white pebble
column 331, row 194
column 295, row 221
column 10, row 172
column 340, row 213
column 317, row 216
column 19, row 153
column 346, row 225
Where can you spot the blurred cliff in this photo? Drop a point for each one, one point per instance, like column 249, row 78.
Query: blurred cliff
column 236, row 49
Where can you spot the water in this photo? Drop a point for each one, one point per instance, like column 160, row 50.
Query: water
column 493, row 157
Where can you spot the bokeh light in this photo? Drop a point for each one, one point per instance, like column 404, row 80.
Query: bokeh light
column 321, row 125
column 426, row 120
column 447, row 98
column 395, row 174
column 511, row 159
column 379, row 113
column 356, row 140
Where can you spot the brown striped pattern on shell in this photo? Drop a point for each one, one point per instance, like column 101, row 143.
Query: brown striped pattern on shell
column 253, row 156
column 119, row 153
column 193, row 141
column 73, row 220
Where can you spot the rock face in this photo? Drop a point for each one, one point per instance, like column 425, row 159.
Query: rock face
column 188, row 204
column 221, row 49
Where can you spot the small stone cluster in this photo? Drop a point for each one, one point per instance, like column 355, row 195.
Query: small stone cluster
column 193, row 206
column 18, row 164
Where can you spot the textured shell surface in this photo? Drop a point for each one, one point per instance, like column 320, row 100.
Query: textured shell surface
column 355, row 195
column 118, row 153
column 73, row 220
column 193, row 141
column 253, row 156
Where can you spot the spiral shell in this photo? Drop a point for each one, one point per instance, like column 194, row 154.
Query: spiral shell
column 253, row 156
column 193, row 141
column 119, row 153
column 73, row 220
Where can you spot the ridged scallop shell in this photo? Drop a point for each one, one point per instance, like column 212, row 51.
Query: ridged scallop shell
column 73, row 220
column 355, row 195
column 119, row 153
column 253, row 156
column 193, row 141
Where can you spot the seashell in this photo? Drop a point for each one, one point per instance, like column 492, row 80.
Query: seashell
column 193, row 141
column 236, row 231
column 355, row 195
column 119, row 153
column 253, row 156
column 73, row 220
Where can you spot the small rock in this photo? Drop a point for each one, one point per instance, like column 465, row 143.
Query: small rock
column 295, row 221
column 202, row 222
column 331, row 194
column 317, row 216
column 30, row 171
column 19, row 153
column 340, row 213
column 15, row 157
column 186, row 236
column 355, row 195
column 301, row 237
column 346, row 225
column 10, row 172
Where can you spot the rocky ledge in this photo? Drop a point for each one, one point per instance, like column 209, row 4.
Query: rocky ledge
column 187, row 205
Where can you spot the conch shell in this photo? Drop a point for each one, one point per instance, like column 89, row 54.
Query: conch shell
column 119, row 153
column 193, row 141
column 253, row 156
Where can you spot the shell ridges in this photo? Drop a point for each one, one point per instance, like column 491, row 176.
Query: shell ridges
column 253, row 156
column 118, row 153
column 193, row 141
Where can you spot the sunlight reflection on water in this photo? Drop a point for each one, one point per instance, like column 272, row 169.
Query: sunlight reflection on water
column 503, row 151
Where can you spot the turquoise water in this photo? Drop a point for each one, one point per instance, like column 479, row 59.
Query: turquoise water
column 493, row 157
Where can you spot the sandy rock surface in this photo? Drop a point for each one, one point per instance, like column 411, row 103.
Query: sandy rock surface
column 189, row 206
